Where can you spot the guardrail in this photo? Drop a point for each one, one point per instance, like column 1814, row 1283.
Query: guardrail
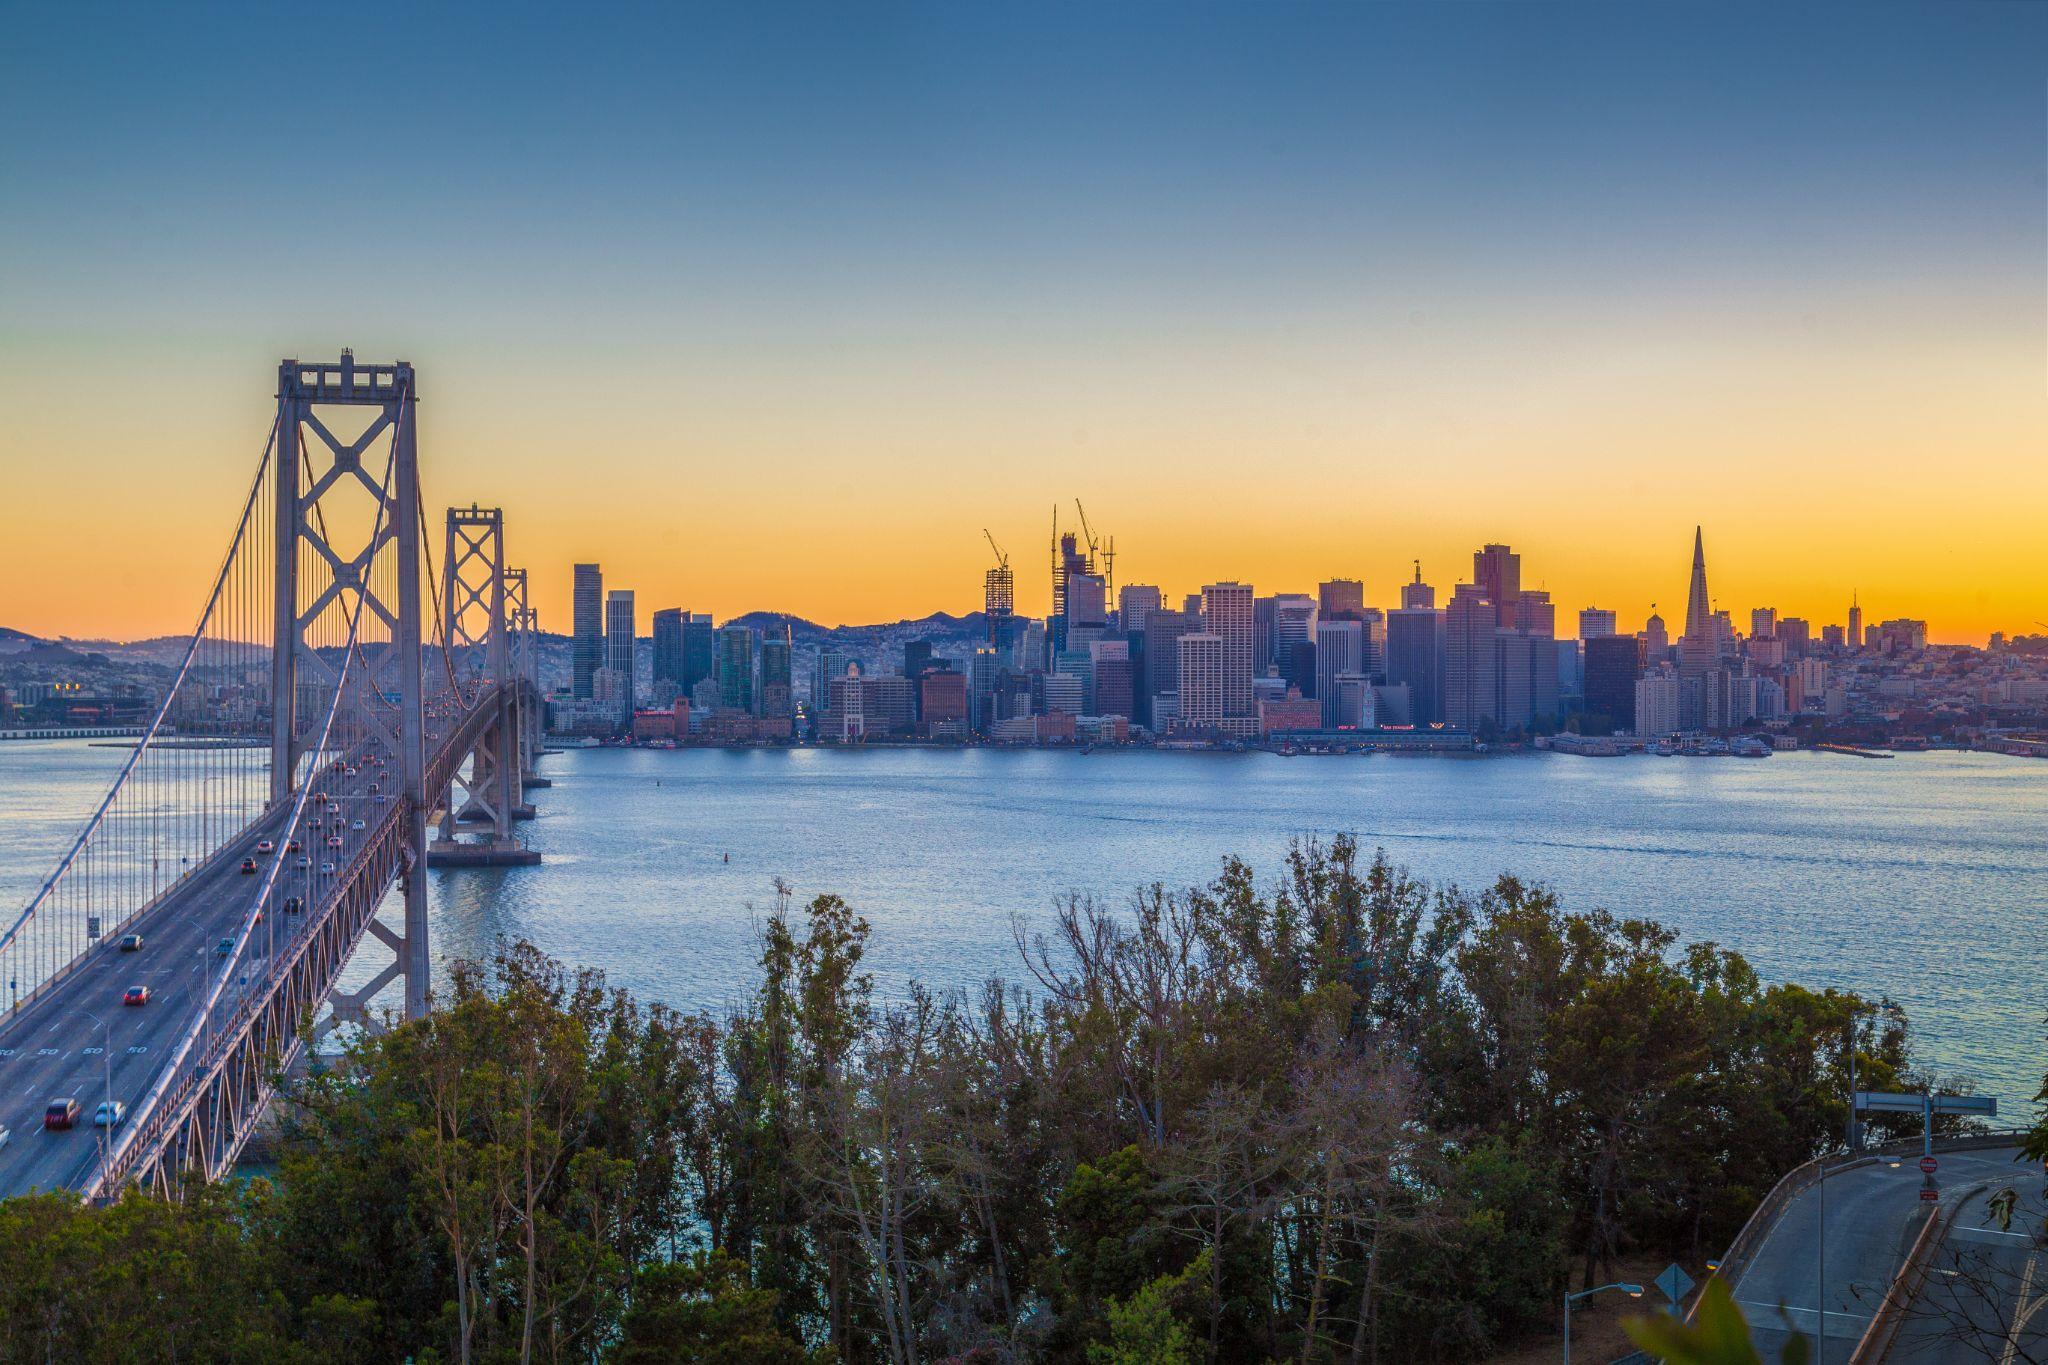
column 1803, row 1176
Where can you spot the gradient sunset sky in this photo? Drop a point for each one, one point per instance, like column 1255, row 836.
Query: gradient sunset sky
column 769, row 306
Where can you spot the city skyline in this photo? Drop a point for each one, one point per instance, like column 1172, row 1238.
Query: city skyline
column 1410, row 284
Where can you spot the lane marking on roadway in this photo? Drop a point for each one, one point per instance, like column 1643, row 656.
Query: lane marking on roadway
column 1989, row 1235
column 2022, row 1311
column 1784, row 1312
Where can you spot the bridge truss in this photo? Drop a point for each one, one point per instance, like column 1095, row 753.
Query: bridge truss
column 319, row 707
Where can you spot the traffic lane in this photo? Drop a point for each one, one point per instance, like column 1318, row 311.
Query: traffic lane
column 62, row 1054
column 1986, row 1292
column 1870, row 1215
column 74, row 1056
column 65, row 1058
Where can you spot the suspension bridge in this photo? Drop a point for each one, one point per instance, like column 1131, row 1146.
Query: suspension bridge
column 344, row 714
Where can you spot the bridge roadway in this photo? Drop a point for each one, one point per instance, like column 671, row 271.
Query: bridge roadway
column 1872, row 1215
column 52, row 1047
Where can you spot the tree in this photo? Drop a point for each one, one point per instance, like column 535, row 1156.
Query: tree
column 703, row 1312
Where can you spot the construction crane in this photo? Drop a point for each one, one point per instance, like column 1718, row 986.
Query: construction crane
column 999, row 586
column 1095, row 547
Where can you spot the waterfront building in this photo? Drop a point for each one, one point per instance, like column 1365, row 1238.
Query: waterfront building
column 1163, row 630
column 1514, row 677
column 1114, row 688
column 668, row 647
column 1200, row 678
column 942, row 703
column 1065, row 692
column 1614, row 663
column 1290, row 713
column 735, row 668
column 699, row 649
column 1471, row 659
column 1227, row 614
column 1657, row 704
column 1357, row 702
column 1340, row 648
column 618, row 649
column 586, row 640
column 778, row 697
column 1415, row 651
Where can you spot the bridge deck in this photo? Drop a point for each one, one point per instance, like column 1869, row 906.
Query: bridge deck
column 58, row 1045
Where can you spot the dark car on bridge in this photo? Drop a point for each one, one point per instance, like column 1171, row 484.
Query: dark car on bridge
column 135, row 995
column 131, row 943
column 292, row 905
column 248, row 866
column 62, row 1113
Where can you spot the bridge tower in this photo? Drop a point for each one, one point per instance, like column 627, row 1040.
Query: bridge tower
column 317, row 481
column 522, row 624
column 478, row 646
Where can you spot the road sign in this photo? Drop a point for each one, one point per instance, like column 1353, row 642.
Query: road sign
column 1929, row 1194
column 1928, row 1164
column 1674, row 1282
column 1880, row 1102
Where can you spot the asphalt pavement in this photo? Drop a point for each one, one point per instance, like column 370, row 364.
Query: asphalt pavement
column 1985, row 1298
column 1827, row 1261
column 78, row 1040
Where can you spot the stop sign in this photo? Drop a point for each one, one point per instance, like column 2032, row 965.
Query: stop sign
column 1927, row 1164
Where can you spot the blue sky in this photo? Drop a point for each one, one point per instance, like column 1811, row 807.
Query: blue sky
column 1020, row 252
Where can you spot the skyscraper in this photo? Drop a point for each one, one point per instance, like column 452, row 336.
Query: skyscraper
column 1417, row 594
column 1656, row 642
column 1340, row 597
column 1163, row 630
column 698, row 649
column 736, row 668
column 778, row 698
column 1613, row 664
column 618, row 647
column 1134, row 602
column 1340, row 650
column 1415, row 650
column 1855, row 622
column 1497, row 571
column 1227, row 613
column 1699, row 649
column 668, row 647
column 586, row 641
column 1471, row 659
column 1595, row 623
column 1201, row 671
column 1699, row 608
column 1294, row 619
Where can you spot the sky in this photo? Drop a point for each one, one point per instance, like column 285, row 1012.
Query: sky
column 776, row 307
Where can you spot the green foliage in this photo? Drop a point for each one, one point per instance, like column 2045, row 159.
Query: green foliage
column 703, row 1312
column 1347, row 1115
column 1150, row 1327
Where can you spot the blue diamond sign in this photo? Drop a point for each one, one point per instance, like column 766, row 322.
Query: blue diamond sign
column 1675, row 1283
